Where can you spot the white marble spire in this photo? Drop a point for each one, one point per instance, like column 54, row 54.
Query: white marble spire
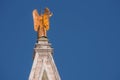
column 43, row 67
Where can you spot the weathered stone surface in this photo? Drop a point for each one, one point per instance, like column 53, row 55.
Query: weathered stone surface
column 43, row 67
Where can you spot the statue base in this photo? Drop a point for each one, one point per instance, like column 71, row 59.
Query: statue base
column 43, row 38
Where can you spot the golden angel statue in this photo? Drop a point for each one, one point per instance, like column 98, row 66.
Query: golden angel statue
column 41, row 22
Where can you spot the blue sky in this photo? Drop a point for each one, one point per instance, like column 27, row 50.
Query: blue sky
column 84, row 34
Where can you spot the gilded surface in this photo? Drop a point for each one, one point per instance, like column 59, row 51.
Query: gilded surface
column 41, row 22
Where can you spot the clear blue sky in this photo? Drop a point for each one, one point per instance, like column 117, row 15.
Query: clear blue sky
column 85, row 35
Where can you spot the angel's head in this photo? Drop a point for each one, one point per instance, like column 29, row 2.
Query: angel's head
column 47, row 11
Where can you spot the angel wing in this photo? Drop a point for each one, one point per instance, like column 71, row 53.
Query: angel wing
column 36, row 19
